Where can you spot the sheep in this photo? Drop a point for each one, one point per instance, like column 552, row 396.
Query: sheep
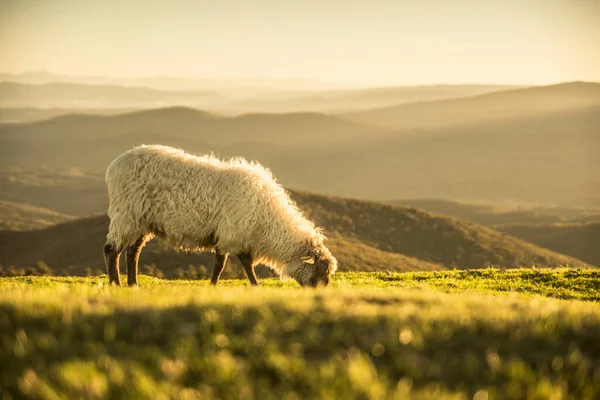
column 201, row 203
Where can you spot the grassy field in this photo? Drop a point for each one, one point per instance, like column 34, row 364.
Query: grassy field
column 487, row 334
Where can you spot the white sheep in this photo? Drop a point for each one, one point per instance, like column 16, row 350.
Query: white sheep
column 202, row 203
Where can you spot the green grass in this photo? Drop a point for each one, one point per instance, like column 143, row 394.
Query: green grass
column 562, row 283
column 486, row 334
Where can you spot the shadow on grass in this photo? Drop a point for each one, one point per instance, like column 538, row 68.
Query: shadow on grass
column 266, row 351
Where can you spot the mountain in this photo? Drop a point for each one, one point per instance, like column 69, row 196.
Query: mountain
column 507, row 105
column 29, row 114
column 92, row 141
column 188, row 123
column 70, row 95
column 363, row 235
column 492, row 214
column 21, row 216
column 337, row 101
column 70, row 191
column 424, row 235
column 576, row 239
column 547, row 158
column 26, row 102
column 246, row 86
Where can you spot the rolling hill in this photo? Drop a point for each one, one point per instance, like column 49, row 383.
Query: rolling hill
column 423, row 235
column 31, row 114
column 226, row 96
column 363, row 235
column 80, row 192
column 73, row 247
column 70, row 95
column 337, row 101
column 493, row 214
column 236, row 86
column 21, row 216
column 576, row 239
column 484, row 109
column 92, row 141
column 67, row 191
column 572, row 231
column 547, row 158
column 188, row 123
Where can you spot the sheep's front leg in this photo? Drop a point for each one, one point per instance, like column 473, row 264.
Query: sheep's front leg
column 132, row 257
column 111, row 259
column 219, row 266
column 246, row 260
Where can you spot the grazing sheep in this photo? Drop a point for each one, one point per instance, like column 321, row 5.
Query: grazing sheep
column 202, row 203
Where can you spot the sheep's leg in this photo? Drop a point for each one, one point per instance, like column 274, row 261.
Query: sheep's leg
column 111, row 259
column 219, row 266
column 246, row 260
column 132, row 257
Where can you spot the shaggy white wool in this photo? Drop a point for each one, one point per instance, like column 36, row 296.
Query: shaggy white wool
column 200, row 202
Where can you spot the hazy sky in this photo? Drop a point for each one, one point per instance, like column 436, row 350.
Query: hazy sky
column 358, row 42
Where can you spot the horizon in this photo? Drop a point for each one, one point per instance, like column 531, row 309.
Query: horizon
column 356, row 44
column 333, row 84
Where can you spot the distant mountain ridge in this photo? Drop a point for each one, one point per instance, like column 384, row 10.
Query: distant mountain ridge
column 193, row 124
column 20, row 216
column 66, row 95
column 577, row 239
column 171, row 82
column 490, row 214
column 484, row 108
column 542, row 159
column 423, row 235
column 541, row 152
column 230, row 100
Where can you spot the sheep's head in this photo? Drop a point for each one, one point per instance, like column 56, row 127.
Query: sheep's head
column 316, row 267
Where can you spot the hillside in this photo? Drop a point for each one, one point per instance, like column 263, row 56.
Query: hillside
column 226, row 98
column 484, row 109
column 571, row 231
column 92, row 141
column 79, row 192
column 30, row 114
column 75, row 246
column 579, row 240
column 364, row 236
column 542, row 159
column 70, row 95
column 491, row 214
column 188, row 123
column 232, row 86
column 424, row 235
column 22, row 216
column 336, row 101
column 70, row 191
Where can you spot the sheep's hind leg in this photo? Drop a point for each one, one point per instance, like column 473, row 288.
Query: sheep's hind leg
column 219, row 266
column 111, row 259
column 132, row 257
column 246, row 260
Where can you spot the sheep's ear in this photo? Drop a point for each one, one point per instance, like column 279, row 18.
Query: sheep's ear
column 308, row 259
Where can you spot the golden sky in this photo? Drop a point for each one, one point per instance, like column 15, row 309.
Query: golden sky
column 376, row 42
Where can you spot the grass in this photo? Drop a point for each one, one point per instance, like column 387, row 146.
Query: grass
column 486, row 334
column 561, row 283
